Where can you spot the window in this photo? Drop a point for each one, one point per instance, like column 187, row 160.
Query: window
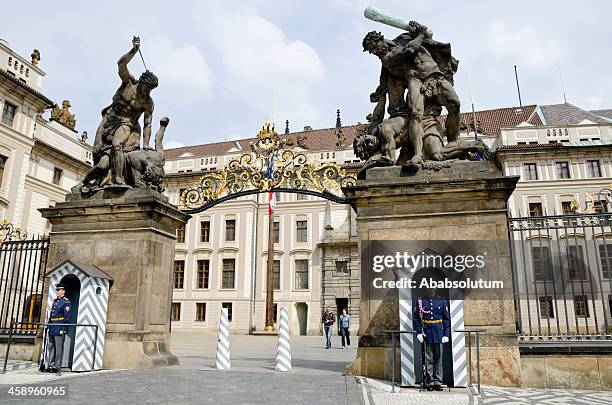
column 8, row 113
column 2, row 163
column 301, row 274
column 542, row 270
column 276, row 232
column 228, row 306
column 576, row 267
column 57, row 176
column 593, row 169
column 605, row 258
column 205, row 231
column 535, row 209
column 229, row 273
column 601, row 206
column 301, row 197
column 202, row 274
column 546, row 307
column 530, row 171
column 581, row 306
column 230, row 230
column 176, row 311
column 179, row 273
column 563, row 170
column 342, row 266
column 277, row 274
column 200, row 312
column 180, row 234
column 301, row 231
column 275, row 309
column 566, row 208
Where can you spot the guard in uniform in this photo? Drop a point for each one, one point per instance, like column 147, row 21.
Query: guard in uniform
column 60, row 313
column 432, row 325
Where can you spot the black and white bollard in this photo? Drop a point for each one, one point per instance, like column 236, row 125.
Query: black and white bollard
column 283, row 349
column 223, row 347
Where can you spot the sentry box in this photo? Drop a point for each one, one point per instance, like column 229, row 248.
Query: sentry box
column 87, row 289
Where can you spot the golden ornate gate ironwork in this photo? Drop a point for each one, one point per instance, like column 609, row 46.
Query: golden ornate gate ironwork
column 292, row 172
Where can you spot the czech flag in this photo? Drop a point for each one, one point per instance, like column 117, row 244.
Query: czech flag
column 272, row 196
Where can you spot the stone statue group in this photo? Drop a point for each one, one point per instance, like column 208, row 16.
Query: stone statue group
column 416, row 81
column 119, row 160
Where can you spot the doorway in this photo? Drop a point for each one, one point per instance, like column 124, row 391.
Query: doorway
column 301, row 308
column 447, row 355
column 73, row 292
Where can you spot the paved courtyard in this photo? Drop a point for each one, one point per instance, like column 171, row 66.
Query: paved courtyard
column 316, row 378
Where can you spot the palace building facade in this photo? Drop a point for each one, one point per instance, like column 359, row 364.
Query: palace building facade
column 221, row 255
column 40, row 159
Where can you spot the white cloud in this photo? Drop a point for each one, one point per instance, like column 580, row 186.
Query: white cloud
column 182, row 66
column 524, row 46
column 265, row 62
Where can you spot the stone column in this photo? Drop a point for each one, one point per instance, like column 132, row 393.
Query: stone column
column 130, row 235
column 466, row 201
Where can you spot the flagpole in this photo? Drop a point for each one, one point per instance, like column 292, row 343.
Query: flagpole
column 270, row 267
column 473, row 109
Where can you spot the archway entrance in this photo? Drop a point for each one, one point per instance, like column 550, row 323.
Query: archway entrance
column 73, row 292
column 271, row 167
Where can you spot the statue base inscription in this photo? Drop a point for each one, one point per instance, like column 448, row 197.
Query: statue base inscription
column 130, row 235
column 466, row 201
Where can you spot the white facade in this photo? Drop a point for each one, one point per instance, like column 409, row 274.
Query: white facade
column 569, row 161
column 301, row 295
column 40, row 159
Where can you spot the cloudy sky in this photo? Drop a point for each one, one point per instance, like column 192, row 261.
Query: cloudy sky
column 223, row 65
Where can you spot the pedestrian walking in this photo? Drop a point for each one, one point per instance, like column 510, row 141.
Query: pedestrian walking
column 329, row 318
column 344, row 323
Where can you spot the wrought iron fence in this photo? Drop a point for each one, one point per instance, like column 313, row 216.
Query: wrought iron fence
column 562, row 270
column 22, row 269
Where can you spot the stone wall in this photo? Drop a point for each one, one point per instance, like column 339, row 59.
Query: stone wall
column 579, row 371
column 466, row 201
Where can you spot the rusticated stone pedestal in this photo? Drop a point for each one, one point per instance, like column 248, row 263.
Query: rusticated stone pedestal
column 464, row 202
column 130, row 235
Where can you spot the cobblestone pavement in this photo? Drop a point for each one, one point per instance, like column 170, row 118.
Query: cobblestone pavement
column 499, row 395
column 14, row 365
column 316, row 378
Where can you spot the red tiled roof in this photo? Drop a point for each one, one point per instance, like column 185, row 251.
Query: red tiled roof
column 606, row 113
column 316, row 140
column 568, row 114
column 489, row 122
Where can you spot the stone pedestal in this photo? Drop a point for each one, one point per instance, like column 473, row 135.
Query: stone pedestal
column 464, row 202
column 130, row 235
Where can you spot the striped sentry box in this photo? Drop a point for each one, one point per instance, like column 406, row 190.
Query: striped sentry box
column 407, row 360
column 283, row 349
column 458, row 343
column 222, row 361
column 406, row 339
column 92, row 308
